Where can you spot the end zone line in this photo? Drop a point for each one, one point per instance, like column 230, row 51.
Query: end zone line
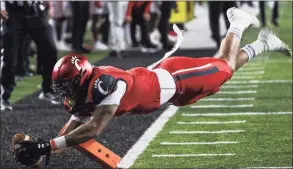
column 271, row 167
column 228, row 99
column 190, row 155
column 258, row 81
column 237, row 92
column 222, row 106
column 206, row 132
column 199, row 143
column 251, row 68
column 250, row 73
column 237, row 114
column 238, row 86
column 212, row 122
column 132, row 154
column 246, row 77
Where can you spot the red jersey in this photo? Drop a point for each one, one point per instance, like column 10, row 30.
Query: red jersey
column 142, row 90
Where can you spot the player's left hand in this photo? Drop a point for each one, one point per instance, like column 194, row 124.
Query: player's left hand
column 34, row 148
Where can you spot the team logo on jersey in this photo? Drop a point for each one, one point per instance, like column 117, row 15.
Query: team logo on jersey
column 74, row 61
column 98, row 86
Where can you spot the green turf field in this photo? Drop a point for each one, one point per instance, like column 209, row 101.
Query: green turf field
column 244, row 140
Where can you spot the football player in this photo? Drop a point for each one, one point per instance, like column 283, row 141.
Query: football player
column 94, row 95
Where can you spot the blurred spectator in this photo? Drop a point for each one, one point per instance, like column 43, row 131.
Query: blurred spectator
column 249, row 3
column 215, row 9
column 22, row 66
column 117, row 11
column 166, row 8
column 80, row 11
column 105, row 25
column 22, row 18
column 138, row 13
column 59, row 15
column 96, row 11
column 275, row 13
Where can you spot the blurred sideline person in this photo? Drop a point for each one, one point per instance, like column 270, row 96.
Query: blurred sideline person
column 80, row 10
column 216, row 8
column 138, row 13
column 22, row 18
column 117, row 11
column 93, row 95
column 274, row 16
column 96, row 10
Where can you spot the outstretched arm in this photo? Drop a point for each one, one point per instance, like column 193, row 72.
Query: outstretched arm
column 99, row 119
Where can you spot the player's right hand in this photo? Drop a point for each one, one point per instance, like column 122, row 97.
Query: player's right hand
column 4, row 15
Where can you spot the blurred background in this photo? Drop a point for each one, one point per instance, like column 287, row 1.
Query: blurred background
column 99, row 28
column 127, row 34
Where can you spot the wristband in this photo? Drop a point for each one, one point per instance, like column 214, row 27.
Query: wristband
column 58, row 143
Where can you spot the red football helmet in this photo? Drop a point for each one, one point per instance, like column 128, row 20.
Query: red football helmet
column 70, row 73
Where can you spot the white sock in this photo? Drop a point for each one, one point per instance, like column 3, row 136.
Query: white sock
column 236, row 28
column 254, row 49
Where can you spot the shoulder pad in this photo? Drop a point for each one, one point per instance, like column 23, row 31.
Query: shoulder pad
column 103, row 86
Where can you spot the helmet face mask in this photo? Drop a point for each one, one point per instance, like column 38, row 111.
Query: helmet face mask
column 67, row 90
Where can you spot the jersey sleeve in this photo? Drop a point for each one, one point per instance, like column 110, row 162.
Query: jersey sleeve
column 103, row 86
column 78, row 118
column 115, row 97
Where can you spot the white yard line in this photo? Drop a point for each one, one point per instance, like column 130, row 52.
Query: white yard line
column 190, row 155
column 237, row 114
column 199, row 143
column 132, row 154
column 238, row 86
column 251, row 68
column 222, row 106
column 245, row 77
column 206, row 132
column 258, row 81
column 237, row 92
column 227, row 99
column 250, row 73
column 270, row 167
column 213, row 122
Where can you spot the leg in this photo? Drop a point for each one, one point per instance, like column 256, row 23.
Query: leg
column 214, row 13
column 266, row 41
column 239, row 21
column 133, row 32
column 47, row 52
column 275, row 14
column 94, row 27
column 262, row 12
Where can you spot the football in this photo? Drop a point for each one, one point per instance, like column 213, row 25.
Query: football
column 22, row 137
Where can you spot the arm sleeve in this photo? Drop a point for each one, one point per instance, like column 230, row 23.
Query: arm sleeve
column 148, row 7
column 78, row 118
column 116, row 96
column 2, row 5
column 129, row 8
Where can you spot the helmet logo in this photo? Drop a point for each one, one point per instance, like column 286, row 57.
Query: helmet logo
column 74, row 61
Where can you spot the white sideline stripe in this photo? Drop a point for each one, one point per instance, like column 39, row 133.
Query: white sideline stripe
column 206, row 132
column 250, row 73
column 222, row 106
column 227, row 99
column 270, row 167
column 237, row 114
column 213, row 122
column 251, row 68
column 190, row 155
column 245, row 77
column 258, row 81
column 237, row 92
column 132, row 154
column 199, row 143
column 238, row 86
